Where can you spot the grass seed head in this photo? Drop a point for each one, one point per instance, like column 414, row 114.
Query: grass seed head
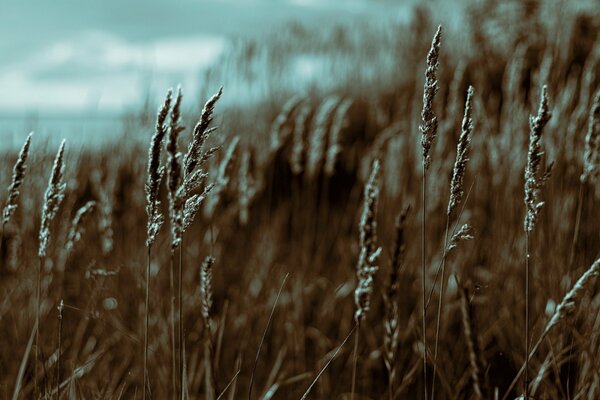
column 429, row 126
column 18, row 176
column 53, row 198
column 462, row 155
column 534, row 179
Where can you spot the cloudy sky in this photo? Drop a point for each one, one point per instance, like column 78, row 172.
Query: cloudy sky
column 78, row 56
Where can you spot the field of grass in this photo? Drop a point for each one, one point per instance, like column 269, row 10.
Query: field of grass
column 258, row 296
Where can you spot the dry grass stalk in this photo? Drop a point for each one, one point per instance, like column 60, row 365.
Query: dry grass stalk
column 223, row 177
column 534, row 181
column 430, row 124
column 318, row 137
column 591, row 155
column 105, row 193
column 60, row 308
column 468, row 322
column 195, row 154
column 337, row 126
column 369, row 253
column 462, row 155
column 391, row 323
column 206, row 301
column 18, row 176
column 464, row 233
column 566, row 309
column 155, row 173
column 297, row 155
column 281, row 129
column 246, row 189
column 456, row 195
column 77, row 227
column 52, row 199
column 564, row 312
column 155, row 218
column 174, row 173
column 428, row 131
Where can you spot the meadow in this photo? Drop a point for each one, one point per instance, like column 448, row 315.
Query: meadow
column 409, row 225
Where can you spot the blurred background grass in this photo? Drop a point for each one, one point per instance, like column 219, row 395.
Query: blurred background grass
column 371, row 54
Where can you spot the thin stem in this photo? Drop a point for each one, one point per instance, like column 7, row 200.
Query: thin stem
column 572, row 258
column 37, row 323
column 2, row 236
column 60, row 325
column 454, row 230
column 577, row 224
column 523, row 367
column 264, row 335
column 180, row 322
column 146, row 319
column 526, row 377
column 355, row 362
column 440, row 304
column 314, row 382
column 424, row 310
column 172, row 323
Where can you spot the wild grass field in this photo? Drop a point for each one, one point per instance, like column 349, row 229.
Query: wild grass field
column 411, row 225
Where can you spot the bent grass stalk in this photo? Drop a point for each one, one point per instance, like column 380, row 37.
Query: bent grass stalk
column 428, row 131
column 456, row 195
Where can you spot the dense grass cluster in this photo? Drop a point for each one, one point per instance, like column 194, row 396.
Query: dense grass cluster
column 431, row 233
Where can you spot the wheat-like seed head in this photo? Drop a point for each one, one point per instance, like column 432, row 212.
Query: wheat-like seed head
column 462, row 155
column 246, row 188
column 53, row 197
column 106, row 200
column 206, row 288
column 201, row 133
column 76, row 229
column 223, row 177
column 369, row 252
column 193, row 204
column 591, row 155
column 280, row 130
column 468, row 322
column 565, row 311
column 318, row 137
column 337, row 125
column 430, row 124
column 391, row 323
column 464, row 233
column 534, row 181
column 18, row 175
column 297, row 155
column 174, row 173
column 155, row 172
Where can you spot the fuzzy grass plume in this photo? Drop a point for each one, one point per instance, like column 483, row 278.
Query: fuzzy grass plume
column 591, row 155
column 77, row 225
column 194, row 155
column 53, row 197
column 391, row 323
column 18, row 176
column 318, row 138
column 430, row 123
column 462, row 155
column 468, row 322
column 337, row 126
column 155, row 173
column 369, row 252
column 206, row 298
column 534, row 179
